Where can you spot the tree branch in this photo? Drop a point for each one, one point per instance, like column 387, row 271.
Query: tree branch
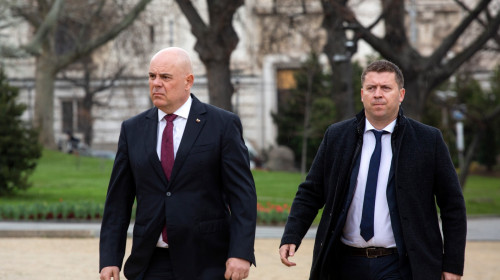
column 198, row 26
column 105, row 85
column 488, row 16
column 34, row 47
column 469, row 51
column 451, row 39
column 86, row 49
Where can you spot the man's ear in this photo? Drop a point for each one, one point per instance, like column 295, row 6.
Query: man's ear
column 189, row 81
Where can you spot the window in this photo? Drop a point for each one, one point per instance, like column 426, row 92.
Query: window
column 285, row 83
column 71, row 110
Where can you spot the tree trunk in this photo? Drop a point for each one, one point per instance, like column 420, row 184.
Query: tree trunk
column 307, row 120
column 44, row 100
column 339, row 58
column 86, row 119
column 471, row 151
column 219, row 83
column 414, row 102
column 214, row 43
column 49, row 61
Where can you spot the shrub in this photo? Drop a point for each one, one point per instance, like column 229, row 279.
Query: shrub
column 60, row 211
column 19, row 147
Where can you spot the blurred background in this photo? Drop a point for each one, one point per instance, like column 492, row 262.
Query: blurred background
column 72, row 71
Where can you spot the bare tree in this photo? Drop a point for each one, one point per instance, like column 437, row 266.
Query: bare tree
column 91, row 86
column 425, row 73
column 216, row 40
column 339, row 50
column 63, row 35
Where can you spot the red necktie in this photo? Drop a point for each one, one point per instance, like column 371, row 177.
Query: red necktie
column 167, row 154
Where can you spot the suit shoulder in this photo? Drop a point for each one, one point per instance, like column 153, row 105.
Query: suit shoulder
column 342, row 126
column 219, row 112
column 421, row 127
column 141, row 116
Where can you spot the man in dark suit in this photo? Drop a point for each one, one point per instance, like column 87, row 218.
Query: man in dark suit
column 196, row 215
column 379, row 177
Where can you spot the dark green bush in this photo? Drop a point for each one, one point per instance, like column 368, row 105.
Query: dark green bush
column 59, row 211
column 19, row 146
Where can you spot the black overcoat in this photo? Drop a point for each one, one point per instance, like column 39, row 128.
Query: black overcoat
column 423, row 175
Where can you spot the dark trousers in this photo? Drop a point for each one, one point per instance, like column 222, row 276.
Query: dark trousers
column 160, row 266
column 363, row 268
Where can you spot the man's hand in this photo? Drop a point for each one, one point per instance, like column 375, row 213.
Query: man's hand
column 287, row 250
column 110, row 272
column 237, row 269
column 450, row 276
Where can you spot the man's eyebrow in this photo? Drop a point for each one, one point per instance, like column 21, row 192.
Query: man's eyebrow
column 161, row 74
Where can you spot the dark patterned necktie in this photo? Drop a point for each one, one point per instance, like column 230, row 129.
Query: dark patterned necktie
column 367, row 218
column 167, row 154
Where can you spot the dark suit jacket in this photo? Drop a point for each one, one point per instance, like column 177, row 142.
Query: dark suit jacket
column 423, row 174
column 209, row 204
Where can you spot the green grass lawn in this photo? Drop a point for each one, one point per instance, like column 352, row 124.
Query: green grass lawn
column 66, row 178
column 63, row 177
column 482, row 195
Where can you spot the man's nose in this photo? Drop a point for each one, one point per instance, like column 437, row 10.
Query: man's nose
column 156, row 82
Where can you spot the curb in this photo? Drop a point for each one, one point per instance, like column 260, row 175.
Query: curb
column 92, row 230
column 478, row 229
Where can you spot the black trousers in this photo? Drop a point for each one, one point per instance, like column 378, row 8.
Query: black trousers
column 390, row 267
column 160, row 266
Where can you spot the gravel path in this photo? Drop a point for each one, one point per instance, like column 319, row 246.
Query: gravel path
column 77, row 258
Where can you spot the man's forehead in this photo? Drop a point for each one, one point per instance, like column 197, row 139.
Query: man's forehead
column 160, row 69
column 386, row 77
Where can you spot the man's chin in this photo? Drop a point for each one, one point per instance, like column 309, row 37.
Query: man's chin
column 159, row 102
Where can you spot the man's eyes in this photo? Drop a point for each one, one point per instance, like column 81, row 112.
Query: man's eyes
column 384, row 88
column 163, row 77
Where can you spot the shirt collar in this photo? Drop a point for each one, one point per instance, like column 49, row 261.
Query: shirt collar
column 182, row 112
column 389, row 128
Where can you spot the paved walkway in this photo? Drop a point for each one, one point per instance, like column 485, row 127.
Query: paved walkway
column 60, row 257
column 478, row 229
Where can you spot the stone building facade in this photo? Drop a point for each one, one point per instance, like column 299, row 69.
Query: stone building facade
column 275, row 36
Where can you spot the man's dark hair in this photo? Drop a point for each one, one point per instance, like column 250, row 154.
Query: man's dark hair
column 380, row 66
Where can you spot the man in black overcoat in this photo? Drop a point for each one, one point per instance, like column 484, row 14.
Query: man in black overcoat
column 379, row 177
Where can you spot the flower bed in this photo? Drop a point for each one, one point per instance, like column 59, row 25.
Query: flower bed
column 272, row 214
column 267, row 214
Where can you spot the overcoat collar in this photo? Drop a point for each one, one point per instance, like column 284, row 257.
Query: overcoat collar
column 360, row 122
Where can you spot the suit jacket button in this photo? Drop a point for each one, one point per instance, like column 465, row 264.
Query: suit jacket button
column 169, row 193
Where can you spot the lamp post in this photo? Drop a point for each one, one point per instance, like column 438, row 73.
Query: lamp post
column 344, row 59
column 237, row 93
column 459, row 116
column 235, row 81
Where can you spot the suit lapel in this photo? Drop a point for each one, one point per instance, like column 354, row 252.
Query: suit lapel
column 150, row 134
column 195, row 122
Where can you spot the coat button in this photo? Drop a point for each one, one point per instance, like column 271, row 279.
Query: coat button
column 169, row 194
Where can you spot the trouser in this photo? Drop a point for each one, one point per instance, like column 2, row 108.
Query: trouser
column 160, row 266
column 387, row 267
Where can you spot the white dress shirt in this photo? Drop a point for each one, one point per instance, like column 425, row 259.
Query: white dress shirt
column 383, row 234
column 179, row 126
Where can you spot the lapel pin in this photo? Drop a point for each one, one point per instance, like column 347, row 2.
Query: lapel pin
column 198, row 120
